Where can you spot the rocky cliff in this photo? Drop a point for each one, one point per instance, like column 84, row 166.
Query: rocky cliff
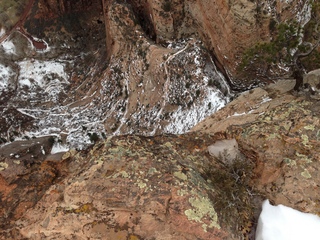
column 227, row 28
column 112, row 80
column 120, row 67
column 170, row 187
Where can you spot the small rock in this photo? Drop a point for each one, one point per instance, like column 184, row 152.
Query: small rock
column 225, row 150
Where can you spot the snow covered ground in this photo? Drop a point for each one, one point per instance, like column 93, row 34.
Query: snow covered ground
column 284, row 223
column 184, row 119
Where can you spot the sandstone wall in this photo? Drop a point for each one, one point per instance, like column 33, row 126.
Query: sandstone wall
column 226, row 27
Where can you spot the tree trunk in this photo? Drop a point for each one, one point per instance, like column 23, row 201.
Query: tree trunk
column 298, row 76
column 298, row 71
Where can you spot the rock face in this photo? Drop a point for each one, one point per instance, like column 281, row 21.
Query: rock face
column 147, row 67
column 226, row 27
column 282, row 130
column 126, row 187
column 123, row 67
column 98, row 83
column 134, row 187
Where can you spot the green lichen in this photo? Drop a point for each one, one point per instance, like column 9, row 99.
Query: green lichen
column 99, row 160
column 306, row 174
column 123, row 174
column 152, row 171
column 85, row 208
column 182, row 192
column 290, row 162
column 180, row 175
column 141, row 184
column 16, row 162
column 3, row 166
column 304, row 157
column 202, row 209
column 133, row 237
column 305, row 139
column 287, row 125
column 272, row 136
column 318, row 135
column 168, row 144
column 309, row 127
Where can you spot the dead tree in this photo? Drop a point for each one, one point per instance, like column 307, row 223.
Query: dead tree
column 298, row 69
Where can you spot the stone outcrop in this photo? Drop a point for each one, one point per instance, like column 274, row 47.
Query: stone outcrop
column 126, row 187
column 227, row 28
column 134, row 187
column 282, row 130
column 157, row 63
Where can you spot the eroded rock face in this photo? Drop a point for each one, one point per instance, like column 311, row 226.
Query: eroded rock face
column 226, row 27
column 155, row 63
column 79, row 86
column 126, row 187
column 282, row 131
column 169, row 186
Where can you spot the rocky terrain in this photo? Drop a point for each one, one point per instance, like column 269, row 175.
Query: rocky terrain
column 100, row 68
column 108, row 108
column 78, row 86
column 168, row 186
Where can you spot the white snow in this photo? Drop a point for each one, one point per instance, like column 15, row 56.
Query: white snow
column 5, row 74
column 184, row 119
column 9, row 47
column 49, row 76
column 284, row 223
column 37, row 70
column 59, row 147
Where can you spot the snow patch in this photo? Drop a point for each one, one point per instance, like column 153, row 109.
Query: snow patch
column 2, row 32
column 37, row 70
column 184, row 119
column 58, row 148
column 284, row 223
column 9, row 47
column 49, row 76
column 5, row 75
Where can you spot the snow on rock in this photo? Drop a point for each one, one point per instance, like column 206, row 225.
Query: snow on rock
column 2, row 32
column 37, row 70
column 49, row 76
column 58, row 148
column 225, row 150
column 184, row 119
column 284, row 223
column 192, row 90
column 9, row 47
column 5, row 74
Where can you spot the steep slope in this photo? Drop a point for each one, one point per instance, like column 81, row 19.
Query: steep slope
column 77, row 87
column 156, row 63
column 283, row 131
column 134, row 187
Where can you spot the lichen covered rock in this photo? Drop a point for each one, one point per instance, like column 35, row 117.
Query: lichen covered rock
column 132, row 187
column 281, row 132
